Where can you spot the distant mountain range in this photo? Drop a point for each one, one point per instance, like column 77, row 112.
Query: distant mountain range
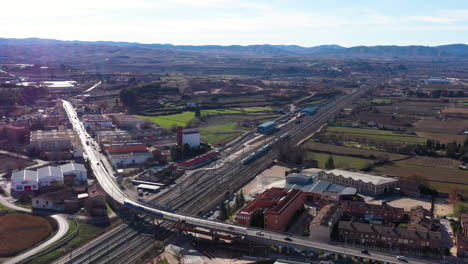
column 454, row 50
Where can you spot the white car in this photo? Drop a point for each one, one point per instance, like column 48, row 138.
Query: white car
column 401, row 258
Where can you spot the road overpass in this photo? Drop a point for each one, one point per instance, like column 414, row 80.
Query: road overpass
column 104, row 175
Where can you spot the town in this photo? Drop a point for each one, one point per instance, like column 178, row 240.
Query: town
column 122, row 152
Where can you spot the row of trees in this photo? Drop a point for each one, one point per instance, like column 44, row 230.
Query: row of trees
column 226, row 210
column 452, row 150
column 437, row 94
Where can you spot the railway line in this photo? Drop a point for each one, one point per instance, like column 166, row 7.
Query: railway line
column 210, row 185
column 106, row 180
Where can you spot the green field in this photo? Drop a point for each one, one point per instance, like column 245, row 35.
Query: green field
column 170, row 121
column 341, row 162
column 377, row 134
column 220, row 133
column 182, row 119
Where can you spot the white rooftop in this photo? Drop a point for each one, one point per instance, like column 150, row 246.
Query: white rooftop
column 49, row 171
column 72, row 166
column 356, row 176
column 24, row 175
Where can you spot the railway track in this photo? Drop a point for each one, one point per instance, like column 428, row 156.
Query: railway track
column 207, row 183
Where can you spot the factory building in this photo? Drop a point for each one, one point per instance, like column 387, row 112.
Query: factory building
column 315, row 189
column 49, row 176
column 364, row 183
column 74, row 172
column 97, row 120
column 128, row 153
column 24, row 180
column 190, row 136
column 28, row 180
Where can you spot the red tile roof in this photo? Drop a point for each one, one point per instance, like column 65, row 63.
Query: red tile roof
column 126, row 149
column 198, row 159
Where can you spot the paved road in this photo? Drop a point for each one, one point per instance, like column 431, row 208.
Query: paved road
column 92, row 87
column 61, row 232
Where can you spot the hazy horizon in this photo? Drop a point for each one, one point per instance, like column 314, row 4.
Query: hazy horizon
column 241, row 22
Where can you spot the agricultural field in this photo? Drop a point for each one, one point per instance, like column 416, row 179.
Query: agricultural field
column 376, row 134
column 443, row 179
column 442, row 130
column 351, row 151
column 19, row 232
column 432, row 162
column 452, row 126
column 341, row 161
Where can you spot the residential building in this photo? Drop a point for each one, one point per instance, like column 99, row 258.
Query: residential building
column 320, row 228
column 364, row 183
column 388, row 236
column 49, row 176
column 190, row 136
column 54, row 140
column 24, row 180
column 420, row 219
column 97, row 120
column 62, row 201
column 372, row 211
column 95, row 205
column 277, row 205
column 315, row 189
column 74, row 172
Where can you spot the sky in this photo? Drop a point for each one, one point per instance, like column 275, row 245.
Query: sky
column 240, row 22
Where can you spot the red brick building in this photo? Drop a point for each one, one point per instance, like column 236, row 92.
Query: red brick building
column 18, row 132
column 277, row 205
column 462, row 237
column 372, row 211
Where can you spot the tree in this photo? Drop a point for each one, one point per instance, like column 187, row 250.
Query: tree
column 330, row 163
column 240, row 200
column 224, row 212
column 197, row 112
column 128, row 97
column 451, row 150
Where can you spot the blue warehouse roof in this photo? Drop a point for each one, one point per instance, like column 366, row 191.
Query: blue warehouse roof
column 267, row 124
column 307, row 183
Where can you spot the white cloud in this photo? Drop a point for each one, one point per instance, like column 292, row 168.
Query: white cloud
column 443, row 17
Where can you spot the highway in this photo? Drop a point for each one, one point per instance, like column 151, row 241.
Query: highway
column 226, row 178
